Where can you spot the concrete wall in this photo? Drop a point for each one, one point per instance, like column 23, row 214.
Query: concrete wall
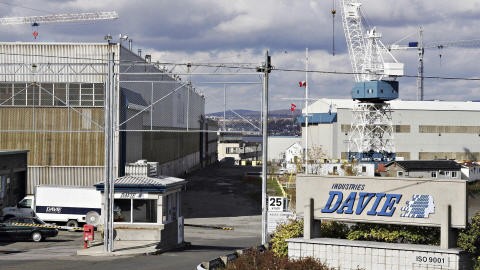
column 138, row 232
column 180, row 166
column 352, row 255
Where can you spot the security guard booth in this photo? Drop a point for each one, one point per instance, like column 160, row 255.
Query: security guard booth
column 147, row 209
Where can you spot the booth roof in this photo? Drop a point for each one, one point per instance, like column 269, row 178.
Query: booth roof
column 159, row 183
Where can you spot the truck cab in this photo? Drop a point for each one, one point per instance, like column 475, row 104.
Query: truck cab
column 24, row 208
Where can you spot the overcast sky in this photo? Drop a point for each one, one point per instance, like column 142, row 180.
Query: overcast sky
column 240, row 31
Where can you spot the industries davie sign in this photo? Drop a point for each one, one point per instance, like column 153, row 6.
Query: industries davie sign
column 414, row 201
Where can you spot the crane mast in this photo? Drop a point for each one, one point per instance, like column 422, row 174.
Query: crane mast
column 375, row 69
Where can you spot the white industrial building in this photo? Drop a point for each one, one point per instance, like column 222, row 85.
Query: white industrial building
column 423, row 130
column 52, row 103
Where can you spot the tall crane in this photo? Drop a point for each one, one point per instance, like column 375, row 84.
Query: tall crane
column 420, row 47
column 375, row 70
column 56, row 18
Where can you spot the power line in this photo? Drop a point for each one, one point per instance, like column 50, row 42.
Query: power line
column 224, row 65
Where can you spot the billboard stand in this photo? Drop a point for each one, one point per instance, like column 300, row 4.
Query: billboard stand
column 403, row 201
column 311, row 226
column 448, row 236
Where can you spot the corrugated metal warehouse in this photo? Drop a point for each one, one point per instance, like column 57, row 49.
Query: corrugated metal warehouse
column 52, row 104
column 423, row 130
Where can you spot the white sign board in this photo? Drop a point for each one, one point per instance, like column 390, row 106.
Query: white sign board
column 276, row 218
column 130, row 195
column 276, row 203
column 414, row 201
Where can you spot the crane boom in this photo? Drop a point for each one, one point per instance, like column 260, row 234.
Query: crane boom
column 420, row 47
column 371, row 60
column 70, row 17
column 353, row 28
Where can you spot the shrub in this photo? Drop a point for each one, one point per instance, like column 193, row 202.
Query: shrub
column 395, row 234
column 291, row 229
column 469, row 239
column 333, row 229
column 268, row 260
column 294, row 228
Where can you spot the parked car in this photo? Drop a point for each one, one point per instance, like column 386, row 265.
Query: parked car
column 28, row 220
column 36, row 230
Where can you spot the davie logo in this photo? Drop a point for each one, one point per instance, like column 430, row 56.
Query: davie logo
column 376, row 204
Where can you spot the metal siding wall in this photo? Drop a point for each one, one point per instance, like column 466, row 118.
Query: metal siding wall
column 53, row 148
column 133, row 140
column 63, row 176
column 165, row 112
column 87, row 61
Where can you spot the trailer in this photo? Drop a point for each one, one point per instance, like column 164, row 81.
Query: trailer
column 65, row 204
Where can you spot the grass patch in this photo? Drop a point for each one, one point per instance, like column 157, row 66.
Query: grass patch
column 273, row 189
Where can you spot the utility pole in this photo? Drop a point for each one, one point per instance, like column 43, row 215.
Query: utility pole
column 109, row 182
column 421, row 51
column 266, row 69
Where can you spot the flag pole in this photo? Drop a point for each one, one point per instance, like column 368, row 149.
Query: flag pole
column 306, row 110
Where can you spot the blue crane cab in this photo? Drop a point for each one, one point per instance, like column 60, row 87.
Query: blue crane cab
column 375, row 91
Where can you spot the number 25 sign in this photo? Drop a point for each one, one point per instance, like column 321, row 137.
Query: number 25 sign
column 276, row 203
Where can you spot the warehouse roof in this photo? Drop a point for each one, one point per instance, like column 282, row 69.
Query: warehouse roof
column 426, row 165
column 324, row 105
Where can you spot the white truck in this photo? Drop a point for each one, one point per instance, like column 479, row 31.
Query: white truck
column 57, row 204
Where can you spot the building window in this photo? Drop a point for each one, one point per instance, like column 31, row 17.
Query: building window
column 345, row 128
column 232, row 150
column 135, row 210
column 401, row 128
column 52, row 94
column 46, row 94
column 449, row 129
column 144, row 211
column 454, row 174
column 400, row 174
column 434, row 174
column 364, row 169
column 122, row 210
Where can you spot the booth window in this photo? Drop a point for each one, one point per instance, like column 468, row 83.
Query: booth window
column 135, row 210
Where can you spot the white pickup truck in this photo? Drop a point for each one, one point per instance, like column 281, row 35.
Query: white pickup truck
column 57, row 204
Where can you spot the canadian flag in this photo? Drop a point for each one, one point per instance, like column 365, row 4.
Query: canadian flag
column 293, row 107
column 302, row 84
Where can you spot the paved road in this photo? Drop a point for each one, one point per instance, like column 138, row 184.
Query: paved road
column 216, row 196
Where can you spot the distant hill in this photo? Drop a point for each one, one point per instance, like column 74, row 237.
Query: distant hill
column 255, row 114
